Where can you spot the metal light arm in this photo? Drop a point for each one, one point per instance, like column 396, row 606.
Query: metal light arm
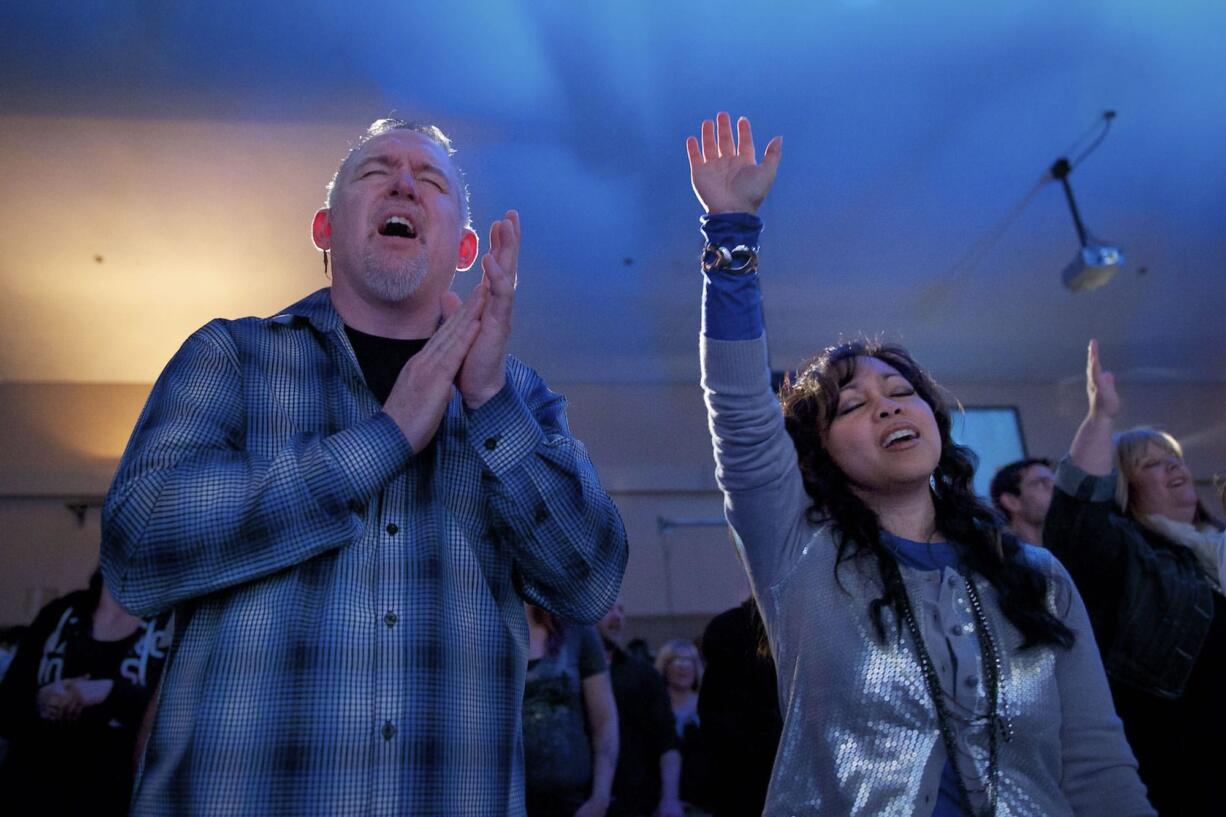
column 1060, row 170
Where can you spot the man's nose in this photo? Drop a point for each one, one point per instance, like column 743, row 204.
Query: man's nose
column 403, row 184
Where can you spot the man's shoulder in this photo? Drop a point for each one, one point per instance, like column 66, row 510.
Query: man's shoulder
column 49, row 616
column 635, row 670
column 315, row 309
column 732, row 632
column 733, row 619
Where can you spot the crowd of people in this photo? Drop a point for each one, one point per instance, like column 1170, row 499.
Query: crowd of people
column 354, row 562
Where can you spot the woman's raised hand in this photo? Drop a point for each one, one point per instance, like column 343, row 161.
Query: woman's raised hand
column 1100, row 386
column 724, row 171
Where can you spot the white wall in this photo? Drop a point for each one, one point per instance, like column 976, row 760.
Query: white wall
column 649, row 442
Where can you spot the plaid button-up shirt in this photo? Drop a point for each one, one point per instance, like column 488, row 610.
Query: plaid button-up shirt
column 351, row 635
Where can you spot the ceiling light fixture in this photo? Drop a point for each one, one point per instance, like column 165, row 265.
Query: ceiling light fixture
column 1097, row 261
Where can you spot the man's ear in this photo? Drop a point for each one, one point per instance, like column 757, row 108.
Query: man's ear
column 321, row 229
column 468, row 249
column 1012, row 504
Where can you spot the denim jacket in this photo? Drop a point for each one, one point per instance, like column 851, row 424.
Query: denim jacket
column 1149, row 602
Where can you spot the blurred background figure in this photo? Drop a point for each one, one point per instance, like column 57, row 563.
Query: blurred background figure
column 648, row 779
column 72, row 703
column 681, row 666
column 1021, row 492
column 638, row 648
column 10, row 637
column 1126, row 522
column 738, row 704
column 570, row 721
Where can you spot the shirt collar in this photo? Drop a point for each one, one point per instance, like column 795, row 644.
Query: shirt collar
column 315, row 308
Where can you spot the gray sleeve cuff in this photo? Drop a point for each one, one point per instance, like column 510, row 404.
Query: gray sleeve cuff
column 1089, row 488
column 738, row 367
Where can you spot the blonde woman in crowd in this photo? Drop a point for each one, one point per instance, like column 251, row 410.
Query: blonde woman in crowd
column 678, row 661
column 1126, row 521
column 681, row 665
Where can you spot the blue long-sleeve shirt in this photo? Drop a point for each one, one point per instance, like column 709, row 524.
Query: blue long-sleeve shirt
column 351, row 633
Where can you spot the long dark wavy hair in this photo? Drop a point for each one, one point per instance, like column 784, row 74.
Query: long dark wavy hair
column 810, row 403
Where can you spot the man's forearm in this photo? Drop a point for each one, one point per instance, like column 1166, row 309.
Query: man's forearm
column 569, row 541
column 198, row 506
column 670, row 775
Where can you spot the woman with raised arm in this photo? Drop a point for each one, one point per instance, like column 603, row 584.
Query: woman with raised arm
column 928, row 662
column 1147, row 556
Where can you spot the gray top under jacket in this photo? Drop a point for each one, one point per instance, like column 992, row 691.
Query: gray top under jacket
column 860, row 733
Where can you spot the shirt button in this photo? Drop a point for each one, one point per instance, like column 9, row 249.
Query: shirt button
column 392, row 529
column 971, row 681
column 542, row 513
column 956, row 629
column 390, row 618
column 389, row 730
column 491, row 443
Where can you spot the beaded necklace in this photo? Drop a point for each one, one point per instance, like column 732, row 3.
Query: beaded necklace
column 992, row 671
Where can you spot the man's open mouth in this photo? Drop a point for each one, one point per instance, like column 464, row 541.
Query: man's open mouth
column 399, row 227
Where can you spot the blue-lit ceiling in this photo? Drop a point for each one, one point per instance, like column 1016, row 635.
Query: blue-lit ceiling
column 909, row 199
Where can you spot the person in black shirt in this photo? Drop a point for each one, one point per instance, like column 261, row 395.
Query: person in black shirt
column 72, row 704
column 649, row 762
column 738, row 704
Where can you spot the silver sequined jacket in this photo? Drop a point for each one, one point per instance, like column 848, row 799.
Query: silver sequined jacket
column 860, row 733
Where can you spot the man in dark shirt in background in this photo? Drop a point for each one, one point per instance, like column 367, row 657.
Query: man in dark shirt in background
column 649, row 764
column 1022, row 492
column 738, row 706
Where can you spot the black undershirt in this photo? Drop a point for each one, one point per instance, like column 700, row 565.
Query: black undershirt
column 381, row 359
